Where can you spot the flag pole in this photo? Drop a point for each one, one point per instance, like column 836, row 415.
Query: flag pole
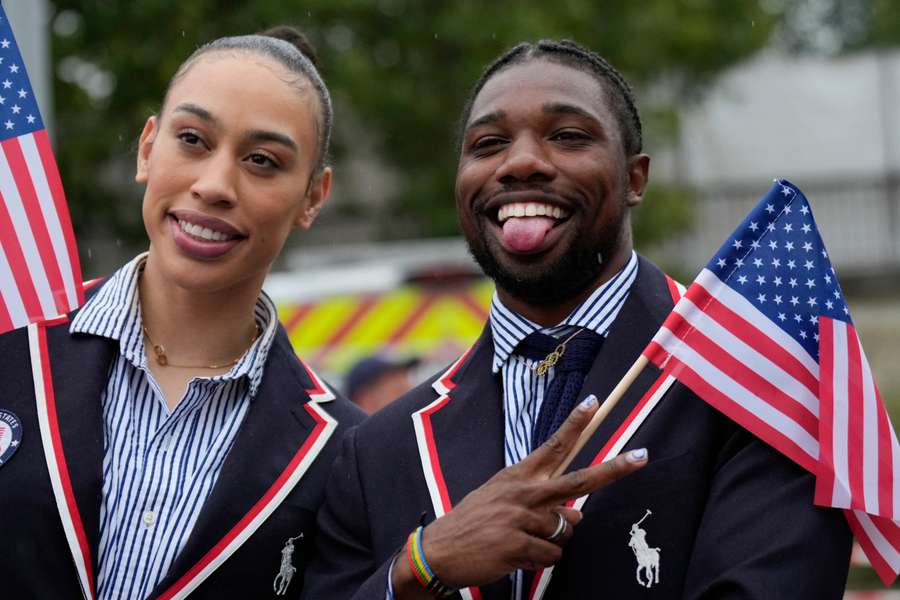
column 614, row 396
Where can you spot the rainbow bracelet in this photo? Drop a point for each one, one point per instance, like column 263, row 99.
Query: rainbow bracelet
column 420, row 568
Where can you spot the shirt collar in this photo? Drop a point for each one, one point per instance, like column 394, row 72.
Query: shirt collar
column 597, row 313
column 114, row 312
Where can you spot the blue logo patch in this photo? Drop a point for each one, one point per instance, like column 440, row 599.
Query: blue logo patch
column 10, row 435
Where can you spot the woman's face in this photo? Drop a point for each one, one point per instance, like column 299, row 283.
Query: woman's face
column 229, row 171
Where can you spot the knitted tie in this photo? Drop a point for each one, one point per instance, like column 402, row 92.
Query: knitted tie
column 569, row 373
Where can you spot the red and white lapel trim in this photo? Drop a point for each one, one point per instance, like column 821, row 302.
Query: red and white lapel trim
column 65, row 498
column 55, row 456
column 266, row 505
column 431, row 466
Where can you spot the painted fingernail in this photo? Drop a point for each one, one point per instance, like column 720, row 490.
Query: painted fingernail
column 639, row 455
column 588, row 403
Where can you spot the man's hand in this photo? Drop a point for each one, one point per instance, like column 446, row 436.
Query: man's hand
column 504, row 524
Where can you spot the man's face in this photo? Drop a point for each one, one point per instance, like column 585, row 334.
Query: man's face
column 543, row 183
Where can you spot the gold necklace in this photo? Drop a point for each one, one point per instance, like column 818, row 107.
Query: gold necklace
column 551, row 359
column 163, row 361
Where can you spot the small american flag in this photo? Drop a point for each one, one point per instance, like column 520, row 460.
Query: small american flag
column 764, row 335
column 40, row 276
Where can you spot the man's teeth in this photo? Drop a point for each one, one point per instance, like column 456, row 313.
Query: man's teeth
column 204, row 233
column 530, row 209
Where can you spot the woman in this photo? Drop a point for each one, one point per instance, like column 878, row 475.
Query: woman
column 172, row 443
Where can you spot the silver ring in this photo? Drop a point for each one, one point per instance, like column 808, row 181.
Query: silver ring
column 560, row 529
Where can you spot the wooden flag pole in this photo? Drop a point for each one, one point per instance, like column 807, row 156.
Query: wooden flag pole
column 603, row 411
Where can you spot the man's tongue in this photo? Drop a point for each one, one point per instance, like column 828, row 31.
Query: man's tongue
column 525, row 234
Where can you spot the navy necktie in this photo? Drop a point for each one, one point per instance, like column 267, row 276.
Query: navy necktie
column 569, row 373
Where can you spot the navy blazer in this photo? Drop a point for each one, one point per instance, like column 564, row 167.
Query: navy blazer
column 269, row 489
column 727, row 516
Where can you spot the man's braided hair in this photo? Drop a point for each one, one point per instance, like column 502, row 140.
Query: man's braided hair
column 569, row 53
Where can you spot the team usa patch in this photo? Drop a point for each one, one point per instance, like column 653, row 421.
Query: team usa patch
column 10, row 435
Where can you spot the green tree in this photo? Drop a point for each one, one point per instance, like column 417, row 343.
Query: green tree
column 401, row 67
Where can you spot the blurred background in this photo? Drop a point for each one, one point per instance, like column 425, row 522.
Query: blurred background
column 733, row 94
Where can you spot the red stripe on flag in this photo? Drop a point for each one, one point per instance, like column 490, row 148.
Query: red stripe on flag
column 6, row 323
column 855, row 420
column 36, row 222
column 744, row 375
column 9, row 239
column 737, row 413
column 824, row 471
column 891, row 533
column 752, row 336
column 885, row 461
column 42, row 141
column 656, row 353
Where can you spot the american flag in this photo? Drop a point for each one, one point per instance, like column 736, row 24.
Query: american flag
column 765, row 336
column 40, row 276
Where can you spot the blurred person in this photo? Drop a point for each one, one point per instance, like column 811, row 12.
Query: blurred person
column 550, row 168
column 172, row 443
column 375, row 381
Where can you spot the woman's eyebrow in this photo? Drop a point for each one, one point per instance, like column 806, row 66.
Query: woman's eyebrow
column 262, row 135
column 198, row 111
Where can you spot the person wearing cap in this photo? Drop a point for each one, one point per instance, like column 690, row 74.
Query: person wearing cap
column 375, row 381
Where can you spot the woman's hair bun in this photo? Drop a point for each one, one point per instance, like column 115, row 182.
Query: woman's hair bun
column 296, row 39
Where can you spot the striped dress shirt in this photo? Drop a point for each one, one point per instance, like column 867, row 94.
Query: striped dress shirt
column 523, row 389
column 159, row 467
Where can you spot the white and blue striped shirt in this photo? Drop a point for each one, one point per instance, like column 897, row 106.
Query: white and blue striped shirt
column 523, row 389
column 159, row 467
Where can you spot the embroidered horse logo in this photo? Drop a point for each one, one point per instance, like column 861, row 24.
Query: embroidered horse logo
column 647, row 557
column 287, row 570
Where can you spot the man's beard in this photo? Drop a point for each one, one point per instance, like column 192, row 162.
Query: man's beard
column 567, row 276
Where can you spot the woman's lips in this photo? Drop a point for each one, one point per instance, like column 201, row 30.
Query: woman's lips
column 205, row 244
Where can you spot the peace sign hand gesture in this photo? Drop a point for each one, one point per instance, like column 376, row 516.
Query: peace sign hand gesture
column 516, row 520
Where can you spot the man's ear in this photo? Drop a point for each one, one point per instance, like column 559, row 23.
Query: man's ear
column 145, row 144
column 318, row 191
column 638, row 176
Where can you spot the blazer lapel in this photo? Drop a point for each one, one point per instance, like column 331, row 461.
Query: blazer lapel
column 462, row 430
column 460, row 437
column 283, row 432
column 647, row 306
column 70, row 373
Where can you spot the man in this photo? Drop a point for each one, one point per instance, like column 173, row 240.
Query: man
column 375, row 381
column 550, row 167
